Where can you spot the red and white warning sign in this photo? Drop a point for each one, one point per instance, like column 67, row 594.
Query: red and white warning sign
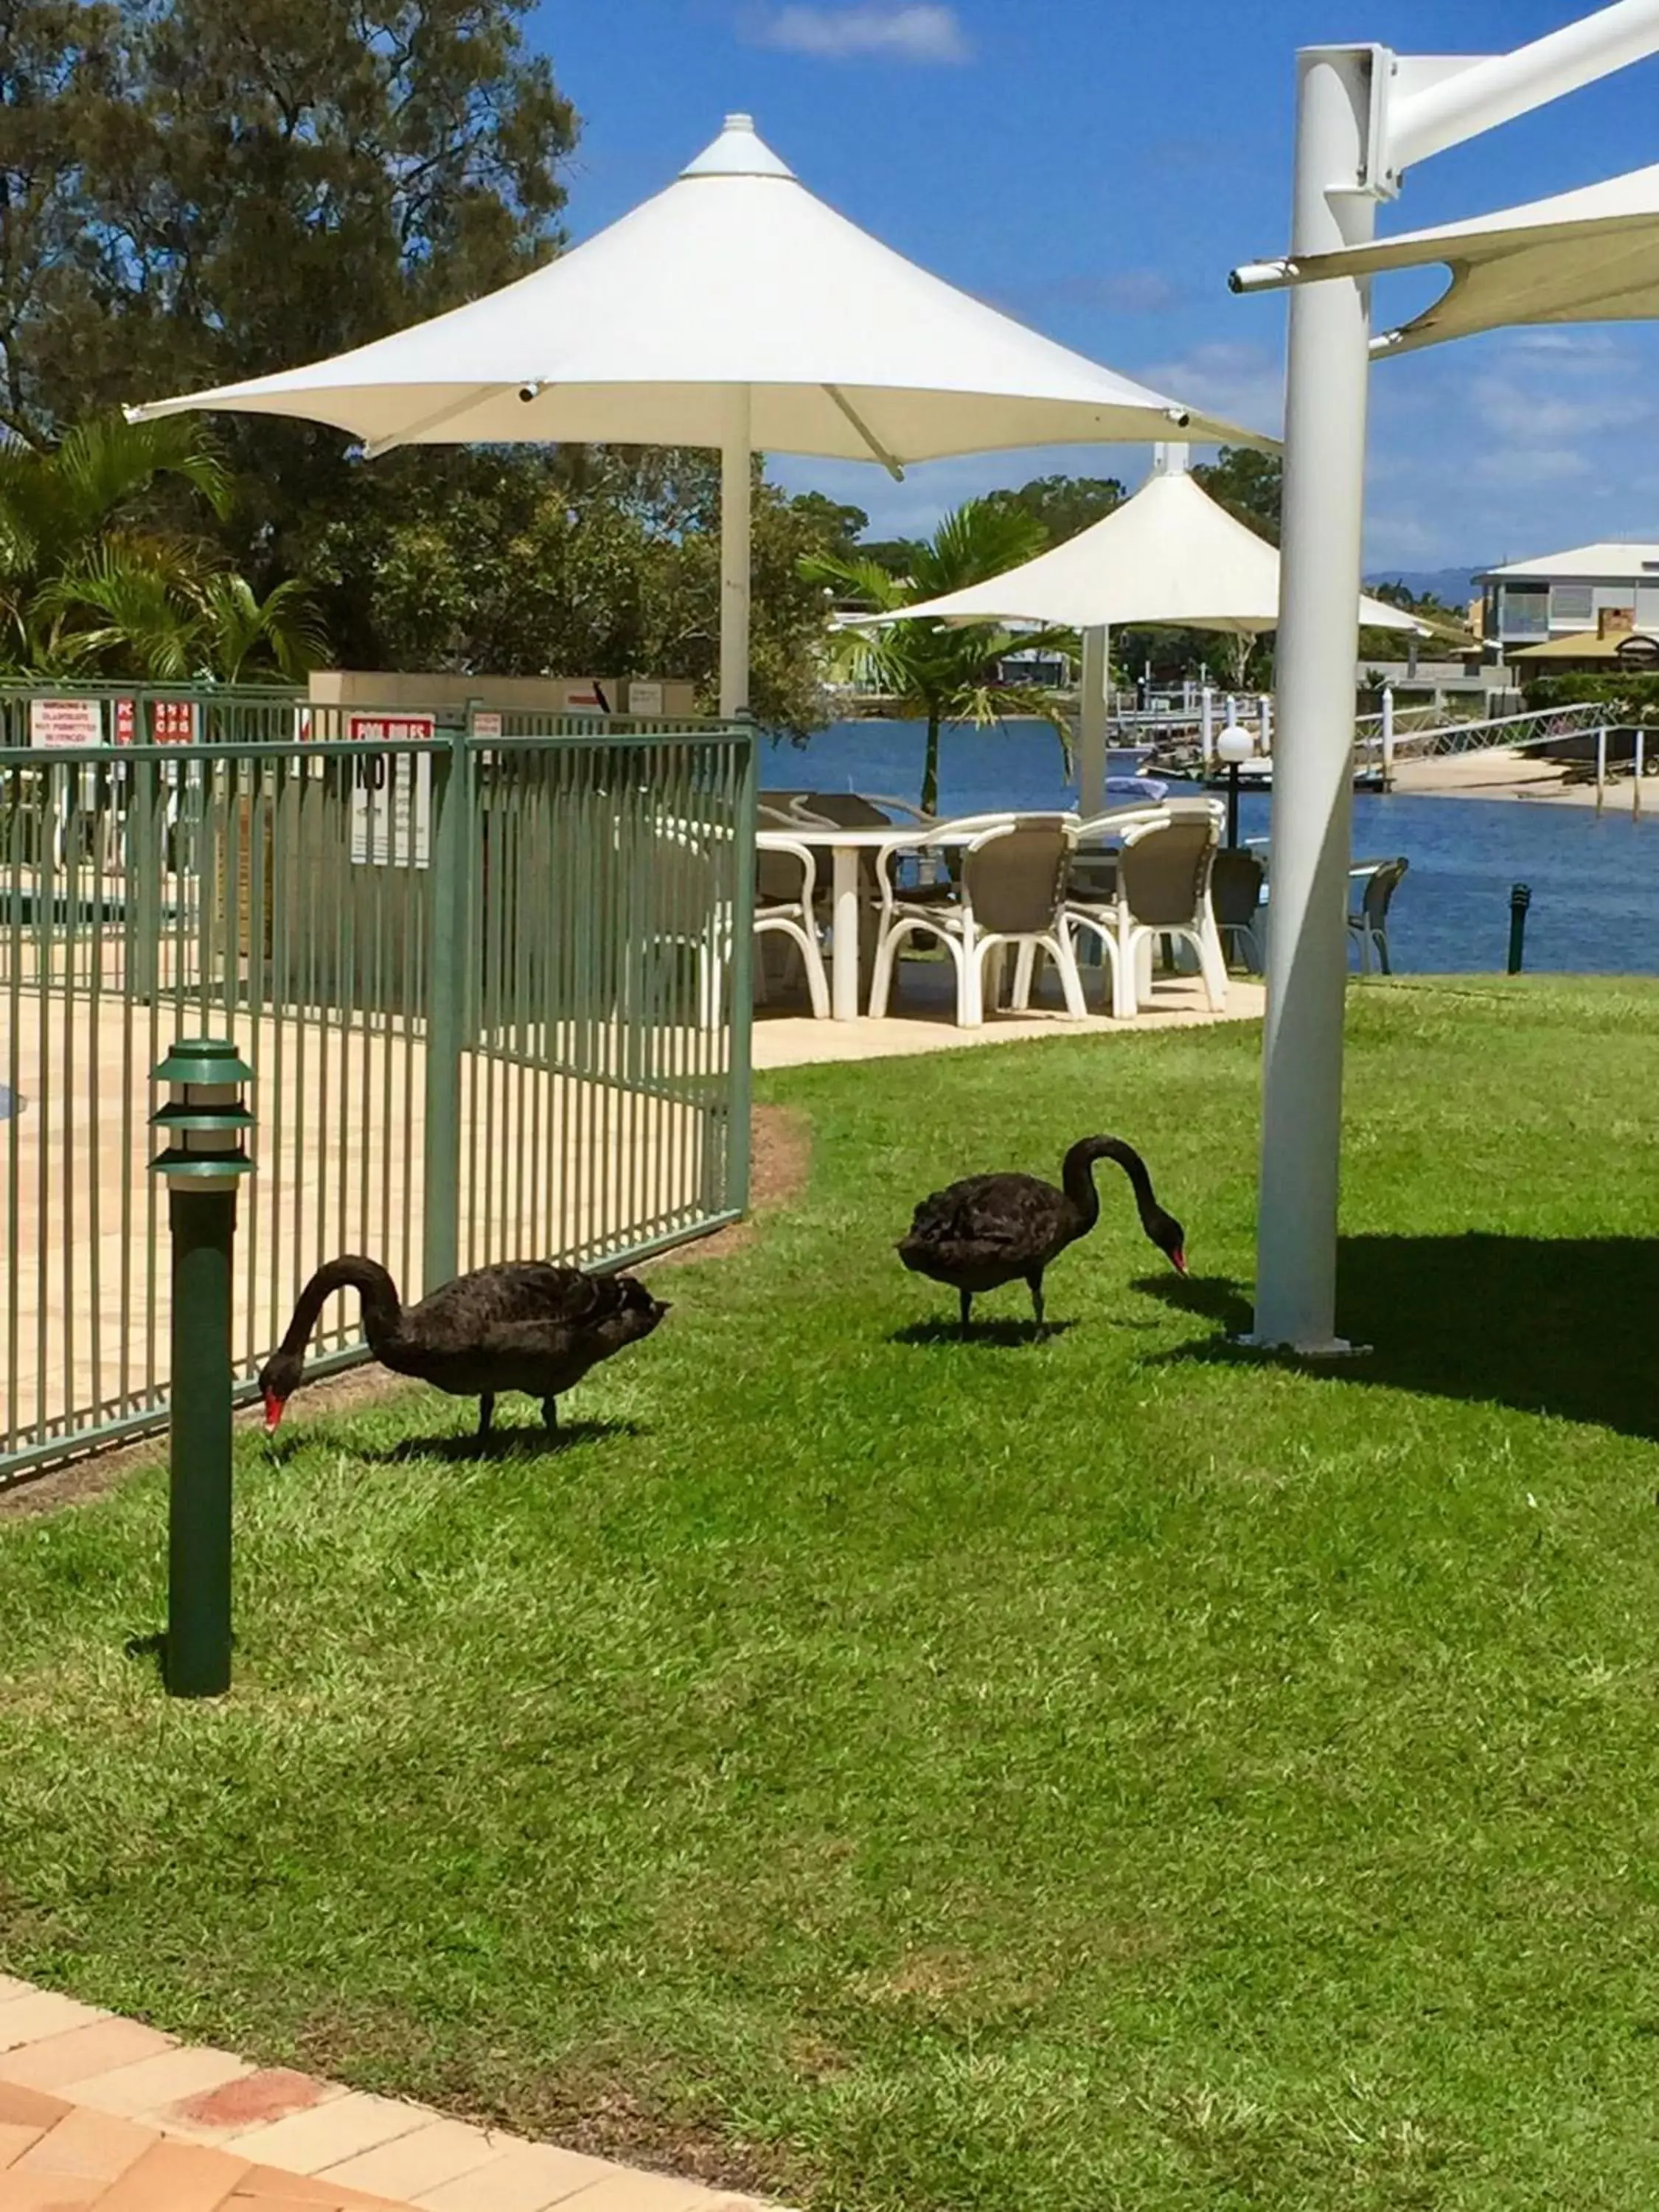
column 391, row 791
column 173, row 722
column 66, row 724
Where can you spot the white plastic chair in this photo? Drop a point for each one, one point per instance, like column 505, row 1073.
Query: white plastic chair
column 1012, row 893
column 1163, row 890
column 683, row 879
column 1368, row 922
column 786, row 885
column 817, row 805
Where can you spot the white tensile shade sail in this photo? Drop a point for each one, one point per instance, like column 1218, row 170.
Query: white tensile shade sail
column 1171, row 555
column 1581, row 257
column 733, row 310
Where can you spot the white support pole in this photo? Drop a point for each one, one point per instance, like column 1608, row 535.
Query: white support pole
column 1387, row 736
column 1326, row 399
column 1636, row 781
column 1265, row 704
column 1092, row 718
column 736, row 519
column 1462, row 105
column 1206, row 727
column 1600, row 768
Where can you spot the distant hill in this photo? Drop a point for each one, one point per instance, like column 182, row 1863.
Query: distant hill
column 1454, row 586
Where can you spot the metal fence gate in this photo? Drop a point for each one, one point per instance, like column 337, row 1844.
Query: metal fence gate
column 494, row 979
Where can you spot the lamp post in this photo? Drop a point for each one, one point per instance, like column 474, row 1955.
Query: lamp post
column 203, row 1123
column 1234, row 746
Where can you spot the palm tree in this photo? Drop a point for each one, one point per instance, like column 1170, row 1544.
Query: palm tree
column 90, row 578
column 55, row 503
column 934, row 674
column 124, row 614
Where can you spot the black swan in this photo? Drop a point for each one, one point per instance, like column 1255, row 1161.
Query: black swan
column 995, row 1228
column 522, row 1326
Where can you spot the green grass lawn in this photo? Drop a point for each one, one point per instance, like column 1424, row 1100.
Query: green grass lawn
column 1015, row 1776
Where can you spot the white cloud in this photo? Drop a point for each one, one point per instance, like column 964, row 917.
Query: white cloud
column 921, row 31
column 1536, row 465
column 1528, row 414
column 1596, row 345
column 1403, row 541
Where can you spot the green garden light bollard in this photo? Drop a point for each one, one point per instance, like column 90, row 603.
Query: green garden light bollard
column 203, row 1122
column 1520, row 900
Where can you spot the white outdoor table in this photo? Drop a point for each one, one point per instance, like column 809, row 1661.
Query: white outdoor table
column 844, row 846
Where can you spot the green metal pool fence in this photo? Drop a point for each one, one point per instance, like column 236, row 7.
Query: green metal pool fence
column 493, row 973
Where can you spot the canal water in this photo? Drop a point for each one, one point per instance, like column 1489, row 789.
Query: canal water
column 1595, row 879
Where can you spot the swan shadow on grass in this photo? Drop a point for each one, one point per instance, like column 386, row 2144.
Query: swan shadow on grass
column 504, row 1442
column 993, row 1334
column 1557, row 1325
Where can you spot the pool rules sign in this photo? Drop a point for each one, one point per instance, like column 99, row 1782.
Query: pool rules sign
column 390, row 792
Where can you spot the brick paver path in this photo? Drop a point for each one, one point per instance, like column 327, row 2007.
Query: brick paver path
column 97, row 2111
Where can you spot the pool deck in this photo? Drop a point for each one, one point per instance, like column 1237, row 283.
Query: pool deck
column 547, row 1163
column 928, row 1023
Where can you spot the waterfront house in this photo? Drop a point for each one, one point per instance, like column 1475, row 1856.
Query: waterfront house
column 1594, row 592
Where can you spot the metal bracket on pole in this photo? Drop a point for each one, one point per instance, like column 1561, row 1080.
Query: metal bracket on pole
column 1398, row 82
column 1378, row 178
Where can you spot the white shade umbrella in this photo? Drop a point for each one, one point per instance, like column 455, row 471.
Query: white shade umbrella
column 733, row 310
column 1171, row 555
column 1580, row 256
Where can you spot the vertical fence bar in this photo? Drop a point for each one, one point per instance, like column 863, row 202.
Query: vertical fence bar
column 739, row 1072
column 12, row 818
column 451, row 938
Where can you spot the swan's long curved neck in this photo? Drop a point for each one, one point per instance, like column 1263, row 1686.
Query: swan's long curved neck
column 1078, row 1175
column 383, row 1311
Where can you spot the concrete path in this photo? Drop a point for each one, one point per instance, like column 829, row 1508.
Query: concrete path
column 99, row 2111
column 928, row 1022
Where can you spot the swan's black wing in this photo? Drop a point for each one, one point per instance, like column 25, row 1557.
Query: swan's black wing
column 522, row 1294
column 988, row 1219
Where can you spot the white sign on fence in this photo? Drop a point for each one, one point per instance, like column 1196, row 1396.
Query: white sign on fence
column 645, row 698
column 69, row 723
column 391, row 793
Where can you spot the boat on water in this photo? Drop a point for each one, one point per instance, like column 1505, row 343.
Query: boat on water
column 1253, row 774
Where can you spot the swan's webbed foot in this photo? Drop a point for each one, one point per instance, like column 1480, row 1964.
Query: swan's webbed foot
column 1035, row 1280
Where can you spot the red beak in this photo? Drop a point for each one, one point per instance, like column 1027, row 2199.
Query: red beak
column 1178, row 1256
column 273, row 1410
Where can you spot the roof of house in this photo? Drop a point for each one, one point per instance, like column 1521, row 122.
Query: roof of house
column 1618, row 557
column 1587, row 645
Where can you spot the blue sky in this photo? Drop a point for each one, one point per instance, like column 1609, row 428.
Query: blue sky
column 1096, row 167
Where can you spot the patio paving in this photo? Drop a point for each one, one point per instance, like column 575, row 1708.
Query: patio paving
column 98, row 2111
column 785, row 1038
